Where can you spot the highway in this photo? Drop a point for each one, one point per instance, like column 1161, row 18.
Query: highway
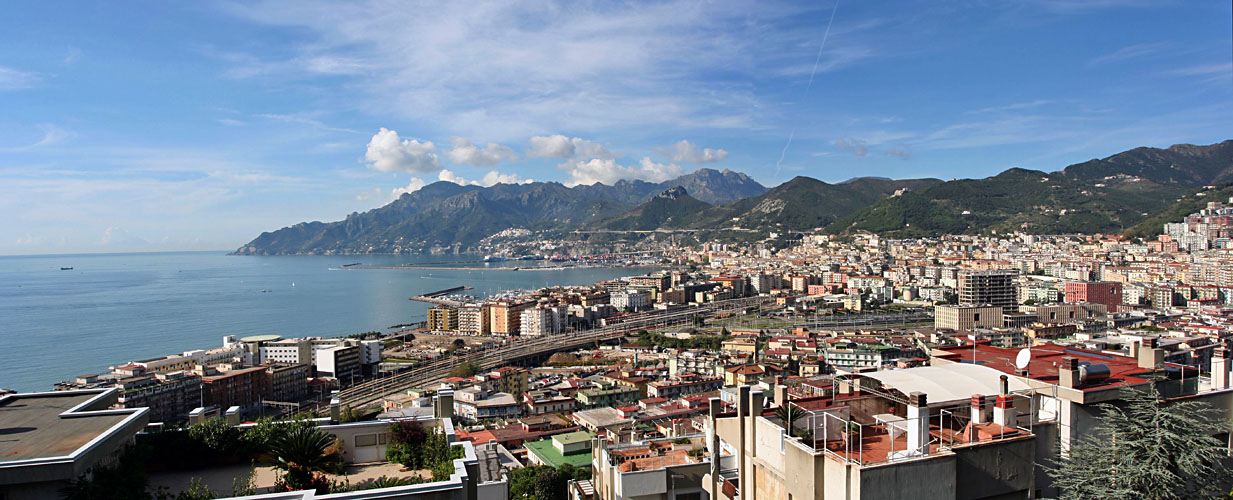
column 517, row 348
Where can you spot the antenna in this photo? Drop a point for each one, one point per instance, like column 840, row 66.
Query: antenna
column 1023, row 358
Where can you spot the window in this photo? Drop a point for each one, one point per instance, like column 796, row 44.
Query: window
column 383, row 438
column 366, row 440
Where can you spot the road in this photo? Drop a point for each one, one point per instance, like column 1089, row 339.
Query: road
column 518, row 348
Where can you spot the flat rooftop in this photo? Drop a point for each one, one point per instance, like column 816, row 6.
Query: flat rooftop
column 1124, row 370
column 549, row 454
column 31, row 426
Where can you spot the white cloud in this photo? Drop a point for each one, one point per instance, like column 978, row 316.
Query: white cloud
column 464, row 152
column 685, row 151
column 559, row 146
column 492, row 178
column 415, row 185
column 389, row 153
column 580, row 67
column 852, row 145
column 52, row 134
column 15, row 79
column 608, row 171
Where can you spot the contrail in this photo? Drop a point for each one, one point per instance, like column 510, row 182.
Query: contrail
column 784, row 153
column 826, row 34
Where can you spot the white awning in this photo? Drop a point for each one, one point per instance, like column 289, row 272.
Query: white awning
column 946, row 383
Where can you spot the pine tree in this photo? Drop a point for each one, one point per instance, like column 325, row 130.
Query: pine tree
column 1149, row 449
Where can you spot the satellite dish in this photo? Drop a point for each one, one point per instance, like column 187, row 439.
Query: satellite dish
column 1022, row 359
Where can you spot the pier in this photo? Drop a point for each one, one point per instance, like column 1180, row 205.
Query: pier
column 437, row 296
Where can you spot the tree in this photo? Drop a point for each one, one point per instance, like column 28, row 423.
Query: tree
column 305, row 452
column 465, row 369
column 1150, row 449
column 789, row 414
column 543, row 482
column 217, row 436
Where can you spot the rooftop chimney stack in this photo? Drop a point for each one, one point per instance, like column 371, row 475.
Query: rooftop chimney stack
column 1221, row 379
column 1151, row 356
column 1004, row 408
column 1068, row 373
column 978, row 410
column 918, row 424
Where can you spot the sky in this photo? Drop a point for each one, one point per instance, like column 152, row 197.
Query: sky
column 149, row 125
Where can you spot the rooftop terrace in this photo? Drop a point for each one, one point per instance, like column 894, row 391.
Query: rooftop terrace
column 34, row 426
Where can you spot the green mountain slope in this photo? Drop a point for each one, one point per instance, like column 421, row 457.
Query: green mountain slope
column 1015, row 200
column 1153, row 225
column 802, row 204
column 664, row 210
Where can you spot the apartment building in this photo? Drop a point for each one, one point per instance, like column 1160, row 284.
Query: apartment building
column 473, row 319
column 995, row 287
column 442, row 318
column 505, row 317
column 967, row 317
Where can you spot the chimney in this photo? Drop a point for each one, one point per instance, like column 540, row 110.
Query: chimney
column 1003, row 408
column 197, row 416
column 335, row 410
column 781, row 395
column 1068, row 373
column 233, row 416
column 1221, row 378
column 443, row 404
column 978, row 410
column 1151, row 357
column 918, row 424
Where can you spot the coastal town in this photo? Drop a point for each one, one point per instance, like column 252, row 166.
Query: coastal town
column 834, row 365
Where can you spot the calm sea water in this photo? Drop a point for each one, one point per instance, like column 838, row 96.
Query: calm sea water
column 112, row 308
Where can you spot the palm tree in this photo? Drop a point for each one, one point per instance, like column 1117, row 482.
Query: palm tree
column 789, row 414
column 302, row 451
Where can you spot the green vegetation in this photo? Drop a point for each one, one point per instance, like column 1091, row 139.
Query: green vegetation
column 1154, row 224
column 789, row 414
column 1016, row 200
column 305, row 454
column 665, row 210
column 713, row 342
column 543, row 482
column 465, row 369
column 1149, row 449
column 417, row 448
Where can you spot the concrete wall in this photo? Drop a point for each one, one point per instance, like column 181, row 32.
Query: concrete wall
column 927, row 479
column 1002, row 469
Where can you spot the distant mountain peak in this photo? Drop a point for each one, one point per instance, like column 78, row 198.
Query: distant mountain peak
column 673, row 193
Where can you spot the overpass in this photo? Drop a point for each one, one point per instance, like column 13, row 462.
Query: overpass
column 518, row 348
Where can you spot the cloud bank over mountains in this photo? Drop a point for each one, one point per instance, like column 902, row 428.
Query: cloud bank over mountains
column 584, row 161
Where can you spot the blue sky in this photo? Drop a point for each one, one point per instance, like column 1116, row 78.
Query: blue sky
column 128, row 126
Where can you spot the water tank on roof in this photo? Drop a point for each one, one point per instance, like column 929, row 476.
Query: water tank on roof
column 1092, row 372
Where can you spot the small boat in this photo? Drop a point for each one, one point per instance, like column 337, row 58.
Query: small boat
column 70, row 268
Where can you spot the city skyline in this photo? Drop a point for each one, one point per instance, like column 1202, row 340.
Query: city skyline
column 200, row 126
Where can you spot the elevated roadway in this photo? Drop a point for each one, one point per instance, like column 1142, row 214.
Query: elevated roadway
column 517, row 349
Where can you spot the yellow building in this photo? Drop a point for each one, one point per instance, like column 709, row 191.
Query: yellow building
column 443, row 318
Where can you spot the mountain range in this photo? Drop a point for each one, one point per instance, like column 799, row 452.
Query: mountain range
column 1112, row 194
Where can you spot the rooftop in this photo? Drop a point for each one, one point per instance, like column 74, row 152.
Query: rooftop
column 573, row 437
column 549, row 454
column 1043, row 367
column 40, row 425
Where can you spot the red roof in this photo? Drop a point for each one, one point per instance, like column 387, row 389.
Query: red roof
column 1124, row 370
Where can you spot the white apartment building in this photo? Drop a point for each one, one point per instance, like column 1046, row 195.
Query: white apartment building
column 631, row 300
column 543, row 321
column 472, row 320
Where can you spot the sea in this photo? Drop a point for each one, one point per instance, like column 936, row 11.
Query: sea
column 112, row 308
